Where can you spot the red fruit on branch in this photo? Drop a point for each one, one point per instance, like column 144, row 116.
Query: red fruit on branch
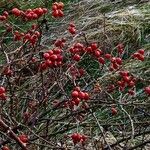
column 60, row 13
column 108, row 56
column 72, row 25
column 76, row 101
column 16, row 12
column 23, row 138
column 5, row 13
column 86, row 96
column 72, row 30
column 77, row 137
column 141, row 51
column 2, row 90
column 97, row 53
column 60, row 5
column 119, row 61
column 94, row 46
column 113, row 111
column 3, row 96
column 55, row 13
column 81, row 95
column 75, row 94
column 101, row 60
column 147, row 90
column 2, row 18
column 77, row 88
column 5, row 148
column 76, row 57
column 131, row 92
column 46, row 55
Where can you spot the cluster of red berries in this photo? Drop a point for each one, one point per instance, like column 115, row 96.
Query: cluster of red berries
column 31, row 36
column 96, row 52
column 75, row 72
column 139, row 55
column 111, row 88
column 29, row 14
column 127, row 80
column 60, row 43
column 52, row 58
column 116, row 62
column 77, row 137
column 120, row 48
column 4, row 16
column 7, row 71
column 147, row 90
column 57, row 8
column 2, row 93
column 77, row 96
column 76, row 50
column 72, row 28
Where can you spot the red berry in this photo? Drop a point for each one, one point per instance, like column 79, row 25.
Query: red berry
column 101, row 60
column 57, row 51
column 124, row 73
column 141, row 51
column 113, row 111
column 76, row 137
column 107, row 56
column 54, row 7
column 147, row 90
column 141, row 57
column 50, row 52
column 94, row 46
column 46, row 55
column 115, row 65
column 53, row 57
column 81, row 72
column 49, row 63
column 81, row 95
column 5, row 148
column 2, row 18
column 2, row 90
column 60, row 5
column 45, row 10
column 75, row 94
column 77, row 88
column 120, row 46
column 113, row 59
column 119, row 61
column 60, row 13
column 5, row 13
column 97, row 53
column 43, row 66
column 16, row 12
column 126, row 78
column 131, row 84
column 23, row 138
column 89, row 49
column 121, row 83
column 59, row 58
column 76, row 57
column 86, row 96
column 77, row 101
column 131, row 92
column 55, row 13
column 72, row 30
column 72, row 24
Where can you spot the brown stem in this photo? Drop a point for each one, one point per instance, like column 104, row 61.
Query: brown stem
column 12, row 135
